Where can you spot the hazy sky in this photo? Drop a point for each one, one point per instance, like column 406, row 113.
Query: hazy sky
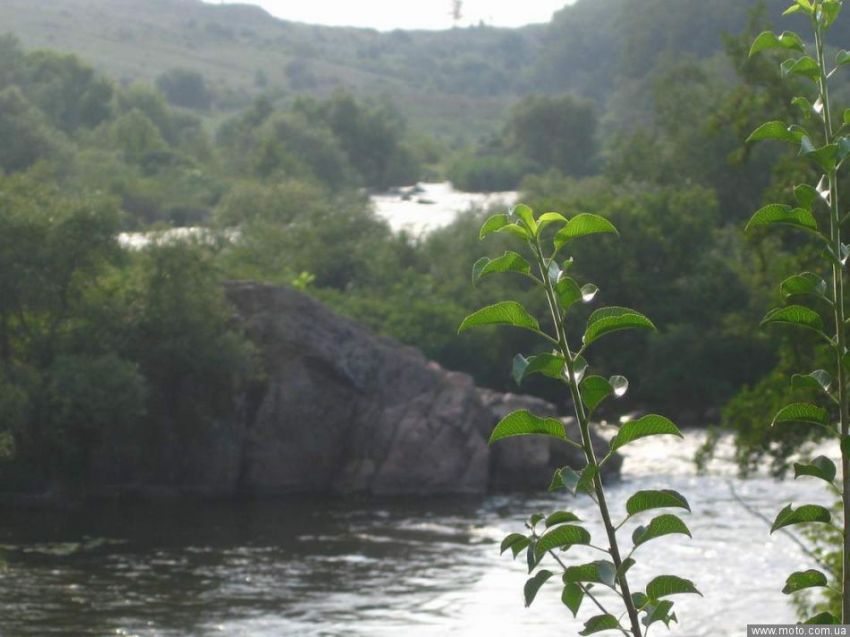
column 416, row 14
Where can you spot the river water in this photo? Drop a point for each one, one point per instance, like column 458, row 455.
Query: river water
column 428, row 206
column 416, row 210
column 413, row 567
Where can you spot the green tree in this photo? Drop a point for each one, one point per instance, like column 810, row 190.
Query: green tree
column 186, row 88
column 66, row 90
column 26, row 134
column 555, row 132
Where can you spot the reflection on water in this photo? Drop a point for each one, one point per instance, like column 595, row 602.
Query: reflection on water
column 428, row 206
column 332, row 567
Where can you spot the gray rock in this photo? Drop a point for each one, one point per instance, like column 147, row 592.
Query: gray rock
column 344, row 410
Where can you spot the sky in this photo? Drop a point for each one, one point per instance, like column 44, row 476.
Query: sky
column 406, row 14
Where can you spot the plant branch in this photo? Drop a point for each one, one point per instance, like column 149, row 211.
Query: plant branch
column 584, row 428
column 838, row 306
column 587, row 592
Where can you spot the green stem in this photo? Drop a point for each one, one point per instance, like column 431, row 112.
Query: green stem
column 838, row 313
column 586, row 441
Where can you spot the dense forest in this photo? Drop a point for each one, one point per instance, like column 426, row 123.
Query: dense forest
column 105, row 350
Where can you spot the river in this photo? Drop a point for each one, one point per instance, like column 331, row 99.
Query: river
column 416, row 210
column 417, row 567
column 428, row 206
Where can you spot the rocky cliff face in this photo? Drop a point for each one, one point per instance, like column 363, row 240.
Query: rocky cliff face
column 343, row 410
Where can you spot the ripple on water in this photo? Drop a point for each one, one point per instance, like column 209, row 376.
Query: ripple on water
column 422, row 568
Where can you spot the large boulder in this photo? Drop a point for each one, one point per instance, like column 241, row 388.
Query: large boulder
column 344, row 410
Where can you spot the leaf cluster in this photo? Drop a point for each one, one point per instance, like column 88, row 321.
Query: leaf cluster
column 546, row 237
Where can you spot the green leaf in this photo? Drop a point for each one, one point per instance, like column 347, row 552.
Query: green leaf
column 585, row 480
column 526, row 215
column 551, row 365
column 820, row 467
column 804, row 579
column 548, row 218
column 842, row 58
column 567, row 478
column 819, row 380
column 782, row 214
column 531, row 557
column 508, row 262
column 829, row 11
column 659, row 612
column 666, row 524
column 611, row 319
column 843, row 143
column 646, row 500
column 582, row 225
column 769, row 40
column 568, row 292
column 800, row 5
column 561, row 537
column 650, row 425
column 639, row 600
column 804, row 66
column 535, row 518
column 775, row 131
column 599, row 623
column 561, row 517
column 599, row 572
column 806, row 196
column 493, row 224
column 665, row 585
column 826, row 157
column 797, row 315
column 594, row 390
column 504, row 313
column 563, row 478
column 804, row 105
column 532, row 586
column 802, row 412
column 517, row 230
column 524, row 423
column 803, row 515
column 625, row 566
column 805, row 284
column 516, row 542
column 823, row 619
column 572, row 597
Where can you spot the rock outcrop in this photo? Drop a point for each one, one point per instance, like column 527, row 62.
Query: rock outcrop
column 344, row 410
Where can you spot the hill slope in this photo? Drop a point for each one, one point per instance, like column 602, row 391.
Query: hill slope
column 450, row 82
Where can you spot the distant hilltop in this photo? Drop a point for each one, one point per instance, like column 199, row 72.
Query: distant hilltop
column 457, row 82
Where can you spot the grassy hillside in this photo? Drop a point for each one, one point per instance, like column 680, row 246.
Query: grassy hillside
column 457, row 82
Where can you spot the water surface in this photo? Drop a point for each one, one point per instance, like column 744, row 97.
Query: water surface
column 418, row 567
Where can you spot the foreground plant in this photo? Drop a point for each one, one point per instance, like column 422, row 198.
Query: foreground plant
column 550, row 536
column 825, row 145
